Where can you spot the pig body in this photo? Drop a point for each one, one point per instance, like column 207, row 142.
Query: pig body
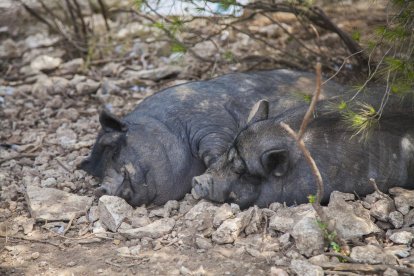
column 152, row 154
column 264, row 164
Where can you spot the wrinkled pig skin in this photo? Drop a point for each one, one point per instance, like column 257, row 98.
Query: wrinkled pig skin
column 264, row 164
column 152, row 154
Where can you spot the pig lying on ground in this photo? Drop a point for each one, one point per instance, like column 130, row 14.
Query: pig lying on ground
column 264, row 164
column 152, row 154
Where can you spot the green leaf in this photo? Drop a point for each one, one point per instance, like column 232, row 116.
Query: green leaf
column 178, row 48
column 335, row 247
column 312, row 198
column 356, row 35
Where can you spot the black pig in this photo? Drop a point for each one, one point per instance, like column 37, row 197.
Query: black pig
column 264, row 164
column 152, row 154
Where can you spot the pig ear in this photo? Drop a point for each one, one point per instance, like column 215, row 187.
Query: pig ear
column 259, row 112
column 276, row 161
column 110, row 122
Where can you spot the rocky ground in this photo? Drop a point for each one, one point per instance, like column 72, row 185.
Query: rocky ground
column 51, row 223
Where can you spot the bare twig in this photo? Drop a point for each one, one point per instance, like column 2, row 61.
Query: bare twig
column 104, row 12
column 314, row 168
column 374, row 184
column 29, row 155
column 365, row 267
column 30, row 240
column 312, row 106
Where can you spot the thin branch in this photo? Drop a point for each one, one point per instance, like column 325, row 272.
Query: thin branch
column 312, row 164
column 315, row 99
column 104, row 12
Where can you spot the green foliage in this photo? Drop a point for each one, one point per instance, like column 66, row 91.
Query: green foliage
column 356, row 35
column 311, row 199
column 228, row 56
column 363, row 120
column 225, row 5
column 329, row 236
column 335, row 247
column 178, row 48
column 138, row 4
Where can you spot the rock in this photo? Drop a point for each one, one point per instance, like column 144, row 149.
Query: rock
column 10, row 49
column 66, row 137
column 72, row 67
column 154, row 230
column 285, row 239
column 48, row 183
column 45, row 63
column 382, row 208
column 286, row 218
column 223, row 212
column 383, row 225
column 308, row 237
column 40, row 40
column 60, row 85
column 98, row 228
column 372, row 198
column 304, row 268
column 202, row 207
column 35, row 255
column 93, row 214
column 396, row 219
column 274, row 271
column 404, row 199
column 275, row 206
column 112, row 211
column 235, row 208
column 157, row 213
column 409, row 219
column 43, row 87
column 255, row 221
column 399, row 251
column 135, row 250
column 139, row 221
column 390, row 272
column 203, row 243
column 87, row 87
column 52, row 204
column 139, row 217
column 111, row 69
column 351, row 219
column 371, row 254
column 402, row 237
column 152, row 74
column 319, row 259
column 71, row 264
column 335, row 195
column 230, row 229
column 123, row 250
column 169, row 207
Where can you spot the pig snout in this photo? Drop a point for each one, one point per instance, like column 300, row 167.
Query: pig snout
column 202, row 184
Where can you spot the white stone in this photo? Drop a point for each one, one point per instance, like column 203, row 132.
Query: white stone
column 154, row 230
column 45, row 63
column 52, row 204
column 351, row 219
column 404, row 199
column 223, row 212
column 402, row 237
column 308, row 237
column 304, row 268
column 112, row 211
column 371, row 254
